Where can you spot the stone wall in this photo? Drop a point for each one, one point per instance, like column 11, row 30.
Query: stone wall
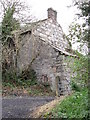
column 42, row 48
column 51, row 64
column 52, row 14
column 47, row 62
column 25, row 53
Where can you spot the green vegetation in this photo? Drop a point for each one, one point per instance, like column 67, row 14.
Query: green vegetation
column 75, row 86
column 23, row 84
column 9, row 23
column 25, row 88
column 26, row 78
column 79, row 70
column 84, row 13
column 80, row 67
column 74, row 106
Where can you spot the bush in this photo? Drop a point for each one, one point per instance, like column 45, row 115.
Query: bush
column 75, row 86
column 27, row 74
column 80, row 67
column 26, row 78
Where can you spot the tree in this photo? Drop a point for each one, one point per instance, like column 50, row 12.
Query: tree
column 21, row 10
column 84, row 7
column 14, row 13
column 9, row 23
column 80, row 64
column 76, row 37
column 80, row 33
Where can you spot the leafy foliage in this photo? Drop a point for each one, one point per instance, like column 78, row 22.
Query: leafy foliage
column 79, row 71
column 28, row 74
column 21, row 9
column 74, row 106
column 79, row 33
column 80, row 67
column 84, row 7
column 76, row 36
column 9, row 23
column 75, row 32
column 75, row 86
column 10, row 77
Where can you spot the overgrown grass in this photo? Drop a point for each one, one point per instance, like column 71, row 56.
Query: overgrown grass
column 74, row 106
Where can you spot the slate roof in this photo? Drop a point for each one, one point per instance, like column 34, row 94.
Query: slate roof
column 29, row 28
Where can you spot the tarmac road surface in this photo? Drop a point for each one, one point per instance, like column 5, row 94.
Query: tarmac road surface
column 22, row 107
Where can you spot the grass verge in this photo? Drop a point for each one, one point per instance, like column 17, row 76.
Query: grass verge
column 74, row 106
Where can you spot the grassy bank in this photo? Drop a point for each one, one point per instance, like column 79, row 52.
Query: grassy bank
column 74, row 106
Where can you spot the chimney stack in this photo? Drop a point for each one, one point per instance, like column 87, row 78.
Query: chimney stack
column 52, row 14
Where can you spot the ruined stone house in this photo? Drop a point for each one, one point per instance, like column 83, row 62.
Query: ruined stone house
column 43, row 46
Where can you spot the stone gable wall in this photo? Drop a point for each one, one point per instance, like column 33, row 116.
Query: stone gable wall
column 47, row 62
column 36, row 50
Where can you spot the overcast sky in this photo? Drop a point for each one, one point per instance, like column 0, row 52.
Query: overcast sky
column 65, row 15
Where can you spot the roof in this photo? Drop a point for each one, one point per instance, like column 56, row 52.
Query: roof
column 29, row 28
column 62, row 52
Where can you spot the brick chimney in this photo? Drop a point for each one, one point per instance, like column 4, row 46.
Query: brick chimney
column 52, row 14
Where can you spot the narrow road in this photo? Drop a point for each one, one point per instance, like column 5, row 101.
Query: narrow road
column 22, row 107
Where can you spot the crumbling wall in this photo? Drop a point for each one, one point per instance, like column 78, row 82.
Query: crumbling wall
column 51, row 64
column 44, row 64
column 42, row 48
column 25, row 51
column 47, row 62
column 64, row 74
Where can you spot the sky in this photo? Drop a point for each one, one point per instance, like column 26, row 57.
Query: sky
column 65, row 15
